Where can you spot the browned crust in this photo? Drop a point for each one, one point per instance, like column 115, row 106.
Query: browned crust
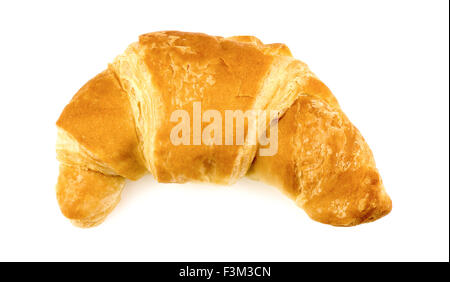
column 324, row 164
column 86, row 197
column 99, row 118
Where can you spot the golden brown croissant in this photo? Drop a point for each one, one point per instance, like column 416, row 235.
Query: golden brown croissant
column 120, row 125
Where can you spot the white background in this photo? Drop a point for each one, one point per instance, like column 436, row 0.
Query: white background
column 386, row 62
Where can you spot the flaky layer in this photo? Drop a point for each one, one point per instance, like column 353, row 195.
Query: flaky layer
column 325, row 166
column 86, row 197
column 169, row 71
column 100, row 120
column 70, row 152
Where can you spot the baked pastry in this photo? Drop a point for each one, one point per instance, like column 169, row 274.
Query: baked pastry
column 119, row 126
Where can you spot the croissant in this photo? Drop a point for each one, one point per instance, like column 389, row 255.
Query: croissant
column 120, row 126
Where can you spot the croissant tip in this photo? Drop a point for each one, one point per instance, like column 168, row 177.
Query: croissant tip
column 382, row 208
